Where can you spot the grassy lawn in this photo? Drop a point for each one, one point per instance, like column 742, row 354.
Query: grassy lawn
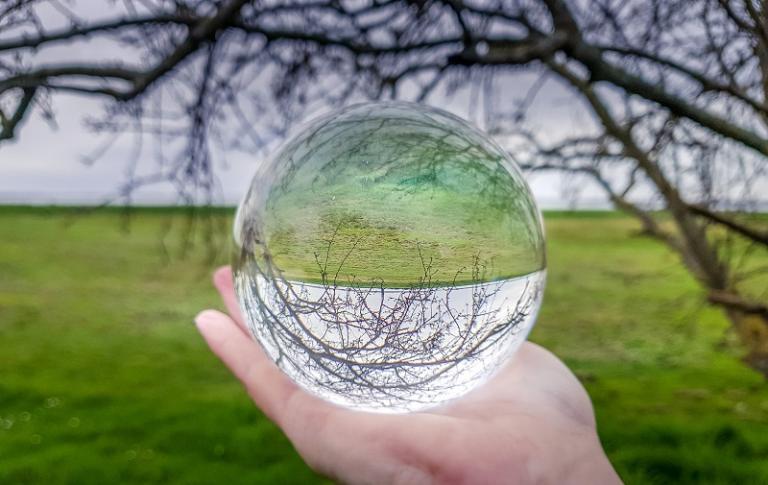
column 103, row 378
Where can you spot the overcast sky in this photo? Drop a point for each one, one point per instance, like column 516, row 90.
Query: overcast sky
column 45, row 164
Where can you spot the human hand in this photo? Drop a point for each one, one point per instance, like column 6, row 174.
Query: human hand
column 531, row 423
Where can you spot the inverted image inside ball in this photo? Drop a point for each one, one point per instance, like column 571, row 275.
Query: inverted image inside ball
column 389, row 257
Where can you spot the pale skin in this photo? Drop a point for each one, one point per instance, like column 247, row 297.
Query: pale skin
column 532, row 423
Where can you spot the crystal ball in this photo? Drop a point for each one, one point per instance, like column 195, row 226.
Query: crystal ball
column 389, row 257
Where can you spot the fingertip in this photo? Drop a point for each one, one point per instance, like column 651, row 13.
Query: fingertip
column 220, row 331
column 207, row 318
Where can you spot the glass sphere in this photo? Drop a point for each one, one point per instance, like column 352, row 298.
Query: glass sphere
column 389, row 257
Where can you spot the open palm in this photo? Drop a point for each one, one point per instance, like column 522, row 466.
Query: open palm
column 531, row 423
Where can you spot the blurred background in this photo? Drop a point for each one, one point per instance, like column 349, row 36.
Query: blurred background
column 130, row 129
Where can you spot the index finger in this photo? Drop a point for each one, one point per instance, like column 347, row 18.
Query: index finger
column 224, row 283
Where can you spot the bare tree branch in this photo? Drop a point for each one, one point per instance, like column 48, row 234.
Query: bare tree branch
column 9, row 124
column 707, row 83
column 737, row 227
column 203, row 31
column 74, row 32
column 734, row 301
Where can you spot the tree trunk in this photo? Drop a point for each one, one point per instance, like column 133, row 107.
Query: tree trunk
column 697, row 251
column 753, row 332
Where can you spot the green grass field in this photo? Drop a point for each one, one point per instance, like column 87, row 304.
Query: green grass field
column 103, row 378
